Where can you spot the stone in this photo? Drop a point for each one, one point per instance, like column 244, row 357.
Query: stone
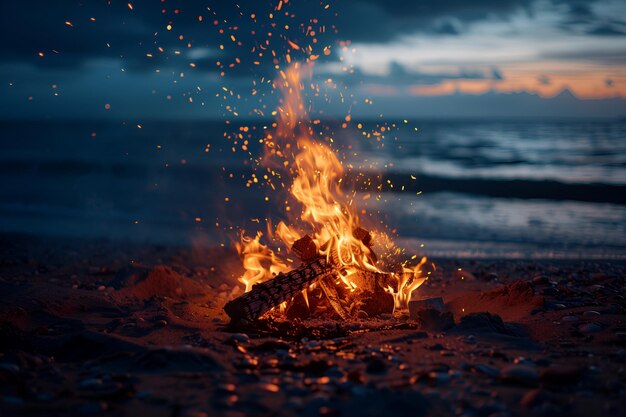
column 562, row 374
column 435, row 320
column 376, row 366
column 487, row 370
column 415, row 305
column 589, row 328
column 533, row 398
column 237, row 338
column 520, row 374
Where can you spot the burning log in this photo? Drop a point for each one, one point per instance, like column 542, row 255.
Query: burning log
column 269, row 294
column 373, row 281
column 332, row 295
column 370, row 291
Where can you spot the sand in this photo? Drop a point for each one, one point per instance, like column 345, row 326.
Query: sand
column 103, row 328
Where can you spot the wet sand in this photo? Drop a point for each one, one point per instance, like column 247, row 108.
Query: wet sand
column 103, row 328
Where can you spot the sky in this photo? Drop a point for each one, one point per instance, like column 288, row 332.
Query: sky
column 165, row 59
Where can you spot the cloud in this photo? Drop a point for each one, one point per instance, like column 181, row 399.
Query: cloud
column 607, row 30
column 544, row 80
column 606, row 56
column 398, row 75
column 30, row 26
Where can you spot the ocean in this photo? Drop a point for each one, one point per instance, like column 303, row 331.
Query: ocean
column 461, row 188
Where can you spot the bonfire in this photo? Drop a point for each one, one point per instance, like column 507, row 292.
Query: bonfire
column 353, row 272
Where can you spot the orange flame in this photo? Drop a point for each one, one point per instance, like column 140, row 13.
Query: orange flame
column 317, row 174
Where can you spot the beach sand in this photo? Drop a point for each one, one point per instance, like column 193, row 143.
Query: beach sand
column 103, row 328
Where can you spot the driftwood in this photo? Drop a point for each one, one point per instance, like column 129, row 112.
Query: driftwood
column 269, row 294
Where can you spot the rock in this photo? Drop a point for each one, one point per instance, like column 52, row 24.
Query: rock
column 569, row 319
column 486, row 323
column 93, row 408
column 491, row 276
column 9, row 368
column 589, row 328
column 590, row 313
column 434, row 320
column 439, row 378
column 562, row 374
column 415, row 305
column 533, row 398
column 90, row 383
column 237, row 338
column 376, row 366
column 520, row 374
column 487, row 370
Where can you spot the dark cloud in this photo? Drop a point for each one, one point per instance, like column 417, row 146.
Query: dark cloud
column 397, row 74
column 382, row 20
column 30, row 26
column 604, row 56
column 606, row 30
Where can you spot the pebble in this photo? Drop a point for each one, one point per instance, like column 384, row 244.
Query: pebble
column 520, row 374
column 569, row 319
column 313, row 345
column 487, row 370
column 376, row 366
column 12, row 400
column 590, row 328
column 591, row 313
column 90, row 383
column 533, row 398
column 492, row 276
column 9, row 368
column 562, row 374
column 439, row 378
column 237, row 338
column 93, row 408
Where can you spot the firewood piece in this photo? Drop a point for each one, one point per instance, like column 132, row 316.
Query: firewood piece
column 373, row 281
column 266, row 295
column 298, row 308
column 305, row 249
column 330, row 291
column 362, row 235
column 366, row 237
